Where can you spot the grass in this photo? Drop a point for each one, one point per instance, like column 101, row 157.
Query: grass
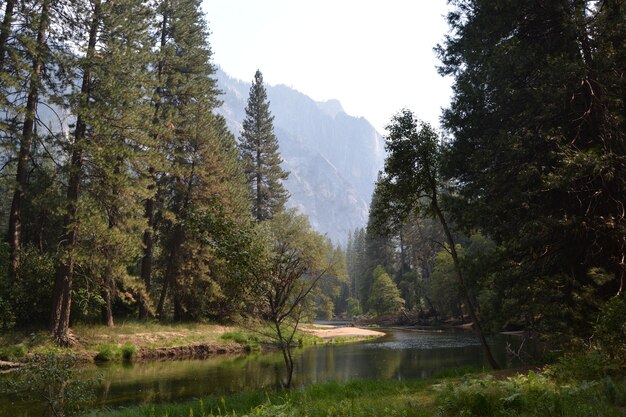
column 356, row 398
column 114, row 353
column 126, row 339
column 118, row 343
column 563, row 390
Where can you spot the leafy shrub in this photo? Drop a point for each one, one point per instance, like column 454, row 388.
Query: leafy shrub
column 610, row 330
column 14, row 352
column 49, row 380
column 129, row 351
column 534, row 395
column 580, row 367
column 7, row 317
column 108, row 353
column 31, row 294
column 354, row 307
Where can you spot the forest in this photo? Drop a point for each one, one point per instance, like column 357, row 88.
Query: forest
column 125, row 197
column 523, row 190
column 125, row 194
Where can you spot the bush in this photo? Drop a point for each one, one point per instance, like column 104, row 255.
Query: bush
column 49, row 380
column 610, row 330
column 31, row 294
column 129, row 351
column 384, row 294
column 354, row 307
column 13, row 353
column 107, row 353
column 534, row 395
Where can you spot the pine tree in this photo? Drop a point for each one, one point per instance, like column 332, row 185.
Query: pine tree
column 200, row 186
column 38, row 56
column 106, row 154
column 259, row 152
column 538, row 153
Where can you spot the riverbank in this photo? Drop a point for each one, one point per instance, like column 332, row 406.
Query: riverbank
column 141, row 341
column 526, row 394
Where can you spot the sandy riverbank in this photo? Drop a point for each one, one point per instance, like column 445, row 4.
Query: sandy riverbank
column 330, row 332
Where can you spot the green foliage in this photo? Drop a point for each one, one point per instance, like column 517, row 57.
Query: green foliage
column 250, row 340
column 50, row 380
column 444, row 289
column 355, row 399
column 547, row 185
column 13, row 352
column 108, row 353
column 296, row 261
column 525, row 396
column 129, row 351
column 609, row 332
column 458, row 372
column 583, row 366
column 385, row 296
column 260, row 157
column 354, row 307
column 27, row 301
column 112, row 352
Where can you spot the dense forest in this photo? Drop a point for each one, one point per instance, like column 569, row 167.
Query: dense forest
column 516, row 209
column 125, row 195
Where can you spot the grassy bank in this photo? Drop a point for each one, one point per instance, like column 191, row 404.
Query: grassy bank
column 530, row 395
column 146, row 340
column 124, row 341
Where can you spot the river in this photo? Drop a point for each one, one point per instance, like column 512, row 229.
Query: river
column 400, row 354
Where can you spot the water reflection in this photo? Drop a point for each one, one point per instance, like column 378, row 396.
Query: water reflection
column 399, row 355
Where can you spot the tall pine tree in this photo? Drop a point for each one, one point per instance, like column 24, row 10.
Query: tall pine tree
column 259, row 152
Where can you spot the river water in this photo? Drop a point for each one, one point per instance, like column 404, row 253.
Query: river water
column 400, row 355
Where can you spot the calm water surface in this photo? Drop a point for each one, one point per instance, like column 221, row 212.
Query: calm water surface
column 399, row 355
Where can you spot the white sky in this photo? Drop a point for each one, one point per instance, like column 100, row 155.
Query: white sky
column 374, row 56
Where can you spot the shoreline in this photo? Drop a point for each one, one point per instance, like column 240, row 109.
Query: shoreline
column 127, row 342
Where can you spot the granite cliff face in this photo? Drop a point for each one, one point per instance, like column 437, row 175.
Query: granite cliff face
column 333, row 158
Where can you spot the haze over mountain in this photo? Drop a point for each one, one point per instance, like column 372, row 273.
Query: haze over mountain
column 333, row 158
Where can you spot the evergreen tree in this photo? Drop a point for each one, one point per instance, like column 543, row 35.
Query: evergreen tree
column 384, row 295
column 412, row 182
column 538, row 150
column 200, row 186
column 106, row 147
column 37, row 57
column 259, row 152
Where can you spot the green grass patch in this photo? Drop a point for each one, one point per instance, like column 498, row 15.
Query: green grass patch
column 108, row 353
column 129, row 351
column 532, row 395
column 458, row 372
column 477, row 395
column 250, row 340
column 356, row 399
column 14, row 352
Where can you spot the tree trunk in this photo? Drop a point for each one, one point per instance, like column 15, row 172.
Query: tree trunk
column 259, row 200
column 463, row 287
column 171, row 271
column 148, row 236
column 107, row 308
column 21, row 176
column 65, row 270
column 146, row 261
column 285, row 348
column 5, row 30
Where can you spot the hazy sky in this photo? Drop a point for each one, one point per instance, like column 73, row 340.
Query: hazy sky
column 374, row 56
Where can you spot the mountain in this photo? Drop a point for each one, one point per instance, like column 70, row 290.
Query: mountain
column 333, row 158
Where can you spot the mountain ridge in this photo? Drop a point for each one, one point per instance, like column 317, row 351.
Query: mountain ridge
column 333, row 158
